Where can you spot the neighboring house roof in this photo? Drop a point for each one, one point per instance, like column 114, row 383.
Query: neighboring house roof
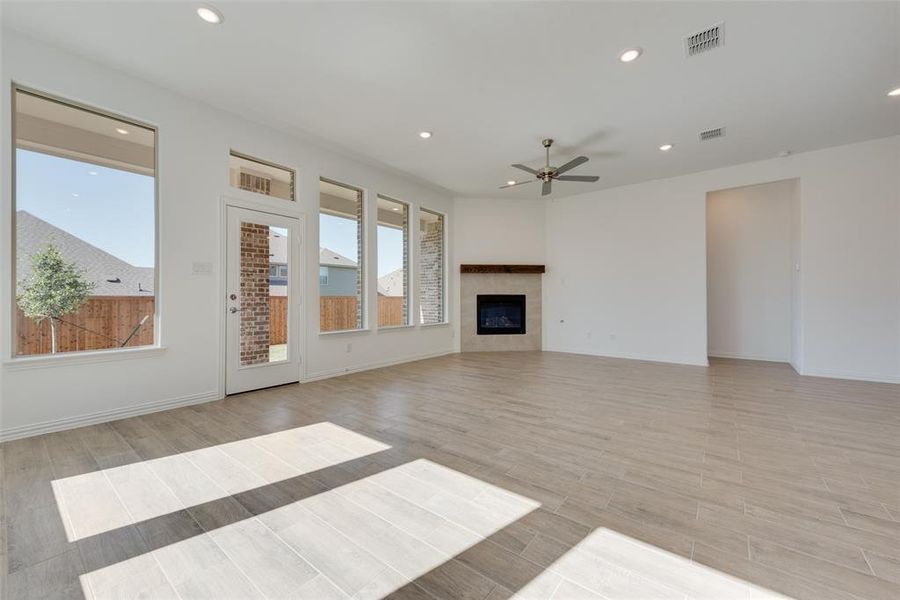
column 330, row 258
column 33, row 234
column 391, row 284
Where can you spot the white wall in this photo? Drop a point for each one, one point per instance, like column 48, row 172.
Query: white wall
column 496, row 231
column 749, row 275
column 631, row 261
column 194, row 141
column 627, row 274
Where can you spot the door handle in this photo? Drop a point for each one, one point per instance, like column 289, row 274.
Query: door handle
column 234, row 309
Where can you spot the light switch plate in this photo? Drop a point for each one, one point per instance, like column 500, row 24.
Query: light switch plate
column 202, row 268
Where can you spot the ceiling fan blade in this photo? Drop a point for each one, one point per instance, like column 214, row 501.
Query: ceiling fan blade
column 545, row 189
column 524, row 168
column 578, row 178
column 572, row 164
column 518, row 183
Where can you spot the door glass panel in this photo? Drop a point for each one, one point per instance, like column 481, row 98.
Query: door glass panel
column 264, row 293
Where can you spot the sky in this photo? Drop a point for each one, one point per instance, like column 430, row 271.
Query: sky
column 339, row 234
column 113, row 210
column 108, row 208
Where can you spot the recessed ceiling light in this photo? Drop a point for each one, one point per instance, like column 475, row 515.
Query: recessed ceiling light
column 121, row 131
column 74, row 194
column 511, row 182
column 396, row 209
column 210, row 15
column 92, row 172
column 666, row 147
column 630, row 54
column 424, row 134
column 894, row 92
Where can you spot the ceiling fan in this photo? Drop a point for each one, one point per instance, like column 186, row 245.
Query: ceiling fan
column 547, row 174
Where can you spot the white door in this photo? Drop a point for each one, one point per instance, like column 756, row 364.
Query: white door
column 262, row 303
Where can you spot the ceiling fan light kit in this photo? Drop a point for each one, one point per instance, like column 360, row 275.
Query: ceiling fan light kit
column 548, row 174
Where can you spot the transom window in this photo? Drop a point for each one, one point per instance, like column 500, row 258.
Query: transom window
column 260, row 177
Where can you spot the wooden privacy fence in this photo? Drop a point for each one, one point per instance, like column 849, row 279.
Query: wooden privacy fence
column 103, row 322
column 335, row 313
column 390, row 311
column 277, row 320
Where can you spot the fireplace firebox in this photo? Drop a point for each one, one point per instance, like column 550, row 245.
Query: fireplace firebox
column 501, row 314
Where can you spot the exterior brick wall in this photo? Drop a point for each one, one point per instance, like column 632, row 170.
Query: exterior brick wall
column 405, row 264
column 254, row 294
column 360, row 269
column 431, row 271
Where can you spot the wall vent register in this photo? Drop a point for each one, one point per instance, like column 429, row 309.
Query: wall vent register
column 711, row 134
column 703, row 41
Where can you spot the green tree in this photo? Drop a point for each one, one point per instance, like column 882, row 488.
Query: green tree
column 53, row 289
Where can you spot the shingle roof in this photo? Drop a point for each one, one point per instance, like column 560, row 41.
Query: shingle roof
column 330, row 258
column 391, row 284
column 33, row 234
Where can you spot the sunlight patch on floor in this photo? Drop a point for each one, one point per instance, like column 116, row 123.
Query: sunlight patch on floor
column 608, row 564
column 361, row 540
column 102, row 501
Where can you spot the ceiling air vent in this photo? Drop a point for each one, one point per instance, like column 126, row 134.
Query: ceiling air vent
column 711, row 134
column 704, row 41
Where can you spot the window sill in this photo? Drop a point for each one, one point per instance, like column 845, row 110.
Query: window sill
column 344, row 332
column 395, row 327
column 81, row 358
column 442, row 324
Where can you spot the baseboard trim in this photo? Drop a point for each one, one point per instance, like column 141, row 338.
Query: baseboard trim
column 373, row 365
column 852, row 376
column 735, row 355
column 24, row 431
column 645, row 357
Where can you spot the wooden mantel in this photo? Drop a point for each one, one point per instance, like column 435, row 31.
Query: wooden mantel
column 502, row 268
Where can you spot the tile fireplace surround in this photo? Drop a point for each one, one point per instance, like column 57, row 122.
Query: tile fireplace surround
column 500, row 279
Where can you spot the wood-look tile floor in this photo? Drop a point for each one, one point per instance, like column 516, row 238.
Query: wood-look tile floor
column 537, row 475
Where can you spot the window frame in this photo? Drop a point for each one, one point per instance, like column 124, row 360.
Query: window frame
column 362, row 260
column 79, row 356
column 445, row 308
column 409, row 262
column 234, row 153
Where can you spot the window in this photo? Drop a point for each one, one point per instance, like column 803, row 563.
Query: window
column 323, row 275
column 431, row 267
column 278, row 270
column 393, row 266
column 340, row 250
column 260, row 177
column 85, row 217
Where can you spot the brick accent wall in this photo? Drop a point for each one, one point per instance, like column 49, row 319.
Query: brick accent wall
column 406, row 264
column 431, row 271
column 254, row 294
column 360, row 269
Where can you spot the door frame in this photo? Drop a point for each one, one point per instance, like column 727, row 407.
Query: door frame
column 292, row 211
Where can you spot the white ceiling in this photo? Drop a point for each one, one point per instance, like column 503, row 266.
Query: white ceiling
column 492, row 79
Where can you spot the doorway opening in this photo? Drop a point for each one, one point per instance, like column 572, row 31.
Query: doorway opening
column 753, row 272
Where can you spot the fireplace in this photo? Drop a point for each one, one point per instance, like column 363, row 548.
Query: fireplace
column 501, row 314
